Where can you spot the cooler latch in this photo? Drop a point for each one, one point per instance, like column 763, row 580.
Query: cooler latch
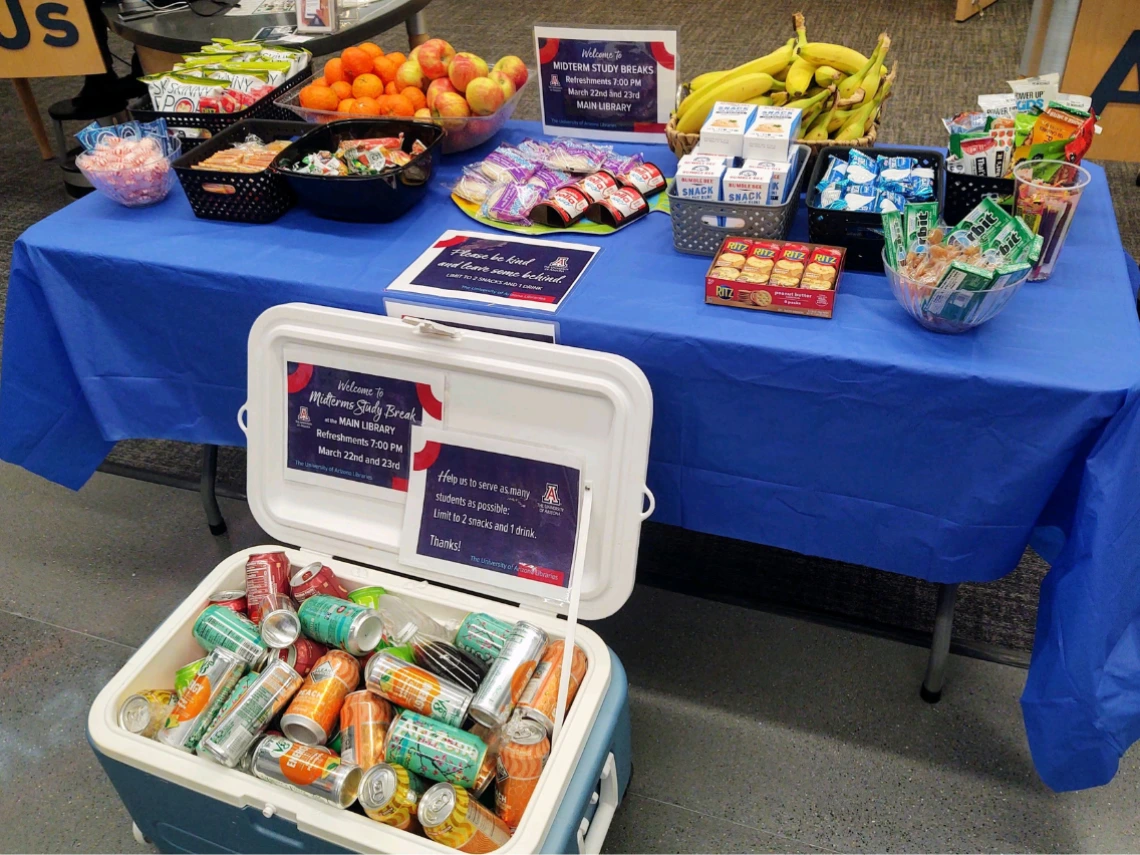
column 431, row 327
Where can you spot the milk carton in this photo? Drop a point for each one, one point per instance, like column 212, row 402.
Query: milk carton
column 699, row 180
column 747, row 186
column 782, row 174
column 770, row 134
column 723, row 131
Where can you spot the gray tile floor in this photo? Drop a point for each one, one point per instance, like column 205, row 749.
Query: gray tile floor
column 752, row 732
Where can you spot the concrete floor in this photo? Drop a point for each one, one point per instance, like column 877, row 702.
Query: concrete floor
column 752, row 732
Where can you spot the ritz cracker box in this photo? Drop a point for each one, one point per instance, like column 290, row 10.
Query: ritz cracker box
column 775, row 276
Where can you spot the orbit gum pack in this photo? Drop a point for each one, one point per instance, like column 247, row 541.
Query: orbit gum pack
column 775, row 276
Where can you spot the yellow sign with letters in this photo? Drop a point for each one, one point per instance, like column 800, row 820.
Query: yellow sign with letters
column 47, row 38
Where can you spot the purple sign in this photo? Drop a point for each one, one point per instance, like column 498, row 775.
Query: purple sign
column 498, row 512
column 348, row 424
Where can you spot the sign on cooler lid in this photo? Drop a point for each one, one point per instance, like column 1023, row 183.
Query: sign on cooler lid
column 334, row 397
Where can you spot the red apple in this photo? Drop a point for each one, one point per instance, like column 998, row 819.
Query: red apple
column 514, row 68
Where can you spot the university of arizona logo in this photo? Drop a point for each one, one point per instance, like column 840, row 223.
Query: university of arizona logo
column 555, row 84
column 550, row 495
column 560, row 263
column 303, row 417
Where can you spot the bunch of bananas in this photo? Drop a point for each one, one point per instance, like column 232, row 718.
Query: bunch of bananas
column 838, row 89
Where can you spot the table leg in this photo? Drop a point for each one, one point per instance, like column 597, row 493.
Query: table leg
column 206, row 490
column 931, row 691
column 417, row 29
column 32, row 114
column 155, row 61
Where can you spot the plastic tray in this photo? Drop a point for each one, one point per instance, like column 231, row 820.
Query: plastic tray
column 700, row 227
column 963, row 192
column 861, row 232
column 239, row 197
column 215, row 123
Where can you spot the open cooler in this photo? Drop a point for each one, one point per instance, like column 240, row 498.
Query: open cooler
column 530, row 398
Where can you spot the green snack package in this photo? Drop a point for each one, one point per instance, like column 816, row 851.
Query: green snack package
column 894, row 240
column 1022, row 127
column 956, row 292
column 1035, row 249
column 1013, row 240
column 981, row 223
column 956, row 140
column 918, row 219
column 1010, row 273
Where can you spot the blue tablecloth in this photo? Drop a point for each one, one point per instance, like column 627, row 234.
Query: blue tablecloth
column 863, row 438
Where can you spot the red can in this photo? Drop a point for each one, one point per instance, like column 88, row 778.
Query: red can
column 230, row 599
column 315, row 579
column 264, row 572
column 302, row 654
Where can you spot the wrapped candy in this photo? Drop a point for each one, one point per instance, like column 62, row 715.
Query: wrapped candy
column 472, row 185
column 133, row 172
column 510, row 203
column 320, row 163
column 570, row 155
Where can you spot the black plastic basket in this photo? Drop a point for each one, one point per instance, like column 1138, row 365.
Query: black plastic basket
column 215, row 123
column 239, row 197
column 860, row 232
column 964, row 192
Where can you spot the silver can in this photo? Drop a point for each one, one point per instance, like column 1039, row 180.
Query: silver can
column 199, row 704
column 390, row 793
column 312, row 770
column 416, row 689
column 508, row 676
column 235, row 731
column 280, row 625
column 449, row 815
column 146, row 713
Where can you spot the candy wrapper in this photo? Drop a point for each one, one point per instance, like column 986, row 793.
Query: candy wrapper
column 577, row 156
column 548, row 180
column 134, row 172
column 507, row 163
column 534, row 150
column 510, row 203
column 320, row 163
column 472, row 185
column 874, row 185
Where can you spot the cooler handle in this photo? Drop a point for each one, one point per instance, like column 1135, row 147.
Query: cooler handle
column 241, row 417
column 591, row 835
column 648, row 512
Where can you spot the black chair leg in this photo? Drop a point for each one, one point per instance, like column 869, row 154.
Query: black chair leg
column 206, row 490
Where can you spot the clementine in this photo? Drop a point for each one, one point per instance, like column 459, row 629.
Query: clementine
column 367, row 86
column 384, row 68
column 371, row 49
column 397, row 58
column 366, row 107
column 319, row 81
column 334, row 71
column 346, row 105
column 355, row 61
column 416, row 96
column 398, row 105
column 392, row 89
column 342, row 88
column 318, row 98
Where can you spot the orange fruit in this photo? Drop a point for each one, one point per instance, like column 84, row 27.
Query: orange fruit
column 371, row 49
column 398, row 58
column 392, row 89
column 384, row 68
column 346, row 105
column 318, row 98
column 398, row 105
column 367, row 86
column 414, row 95
column 334, row 71
column 355, row 61
column 366, row 107
column 342, row 88
column 318, row 81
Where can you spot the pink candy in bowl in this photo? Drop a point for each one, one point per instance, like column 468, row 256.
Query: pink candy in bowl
column 133, row 172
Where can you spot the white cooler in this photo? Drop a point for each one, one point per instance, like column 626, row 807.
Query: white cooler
column 515, row 391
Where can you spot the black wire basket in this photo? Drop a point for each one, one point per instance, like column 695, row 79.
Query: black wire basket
column 964, row 192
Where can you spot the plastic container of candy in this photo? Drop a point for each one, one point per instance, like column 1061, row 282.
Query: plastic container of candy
column 135, row 173
column 462, row 134
column 918, row 298
column 378, row 198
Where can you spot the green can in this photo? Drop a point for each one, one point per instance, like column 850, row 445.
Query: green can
column 369, row 597
column 334, row 744
column 343, row 624
column 483, row 636
column 435, row 750
column 402, row 651
column 219, row 626
column 186, row 674
column 239, row 690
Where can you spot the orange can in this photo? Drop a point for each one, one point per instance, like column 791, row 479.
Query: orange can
column 314, row 712
column 413, row 688
column 364, row 720
column 540, row 696
column 522, row 756
column 450, row 816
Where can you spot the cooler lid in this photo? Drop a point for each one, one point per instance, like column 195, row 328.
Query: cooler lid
column 595, row 407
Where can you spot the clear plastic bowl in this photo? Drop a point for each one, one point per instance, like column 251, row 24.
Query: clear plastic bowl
column 462, row 134
column 139, row 186
column 982, row 305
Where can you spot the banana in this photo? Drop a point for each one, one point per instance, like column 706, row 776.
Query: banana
column 825, row 75
column 850, row 84
column 800, row 77
column 761, row 101
column 696, row 107
column 801, row 29
column 806, row 104
column 818, row 130
column 863, row 117
column 837, row 56
column 779, row 99
column 772, row 63
column 884, row 94
column 871, row 81
column 806, row 121
column 838, row 120
column 705, row 79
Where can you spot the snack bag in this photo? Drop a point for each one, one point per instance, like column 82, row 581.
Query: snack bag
column 178, row 93
column 472, row 185
column 507, row 163
column 570, row 155
column 510, row 203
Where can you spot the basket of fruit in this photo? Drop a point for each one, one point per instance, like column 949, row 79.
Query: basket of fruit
column 840, row 91
column 433, row 84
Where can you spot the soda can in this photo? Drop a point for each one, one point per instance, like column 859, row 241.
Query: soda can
column 413, row 688
column 230, row 599
column 280, row 625
column 234, row 732
column 447, row 660
column 512, row 668
column 522, row 756
column 487, row 773
column 369, row 596
column 390, row 793
column 435, row 750
column 314, row 771
column 540, row 696
column 218, row 626
column 482, row 636
column 302, row 655
column 264, row 572
column 237, row 694
column 313, row 579
column 341, row 624
column 313, row 715
column 184, row 675
column 199, row 704
column 146, row 712
column 450, row 816
column 364, row 720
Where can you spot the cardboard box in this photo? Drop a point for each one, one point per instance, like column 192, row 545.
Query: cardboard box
column 741, row 259
column 782, row 175
column 723, row 131
column 699, row 181
column 747, row 186
column 770, row 134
